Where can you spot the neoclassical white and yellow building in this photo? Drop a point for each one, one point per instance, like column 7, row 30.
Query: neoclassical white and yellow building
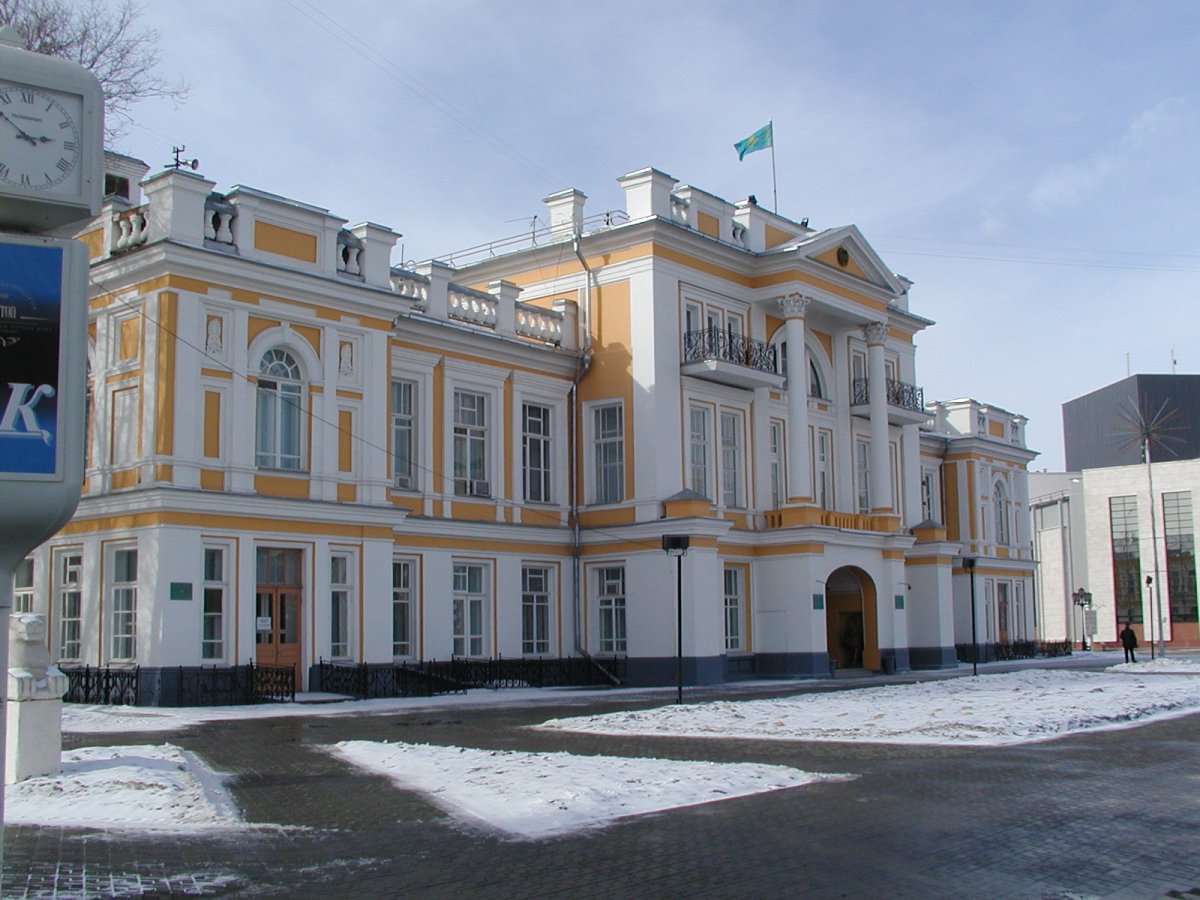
column 298, row 452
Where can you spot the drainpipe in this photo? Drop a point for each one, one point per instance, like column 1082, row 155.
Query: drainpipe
column 585, row 362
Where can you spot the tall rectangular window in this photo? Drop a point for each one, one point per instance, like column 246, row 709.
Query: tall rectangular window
column 731, row 459
column 611, row 607
column 823, row 468
column 404, row 607
column 23, row 587
column 608, row 427
column 340, row 594
column 776, row 465
column 929, row 510
column 404, row 434
column 862, row 475
column 470, row 606
column 470, row 445
column 69, row 600
column 1181, row 555
column 216, row 590
column 535, row 610
column 535, row 448
column 123, row 590
column 734, row 609
column 698, row 431
column 1126, row 559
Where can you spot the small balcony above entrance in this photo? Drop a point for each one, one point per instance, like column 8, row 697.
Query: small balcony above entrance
column 906, row 402
column 727, row 358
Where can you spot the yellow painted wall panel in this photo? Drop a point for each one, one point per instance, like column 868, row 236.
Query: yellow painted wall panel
column 773, row 236
column 285, row 242
column 281, row 486
column 130, row 338
column 709, row 225
column 996, row 429
column 345, row 441
column 164, row 405
column 347, row 493
column 212, row 479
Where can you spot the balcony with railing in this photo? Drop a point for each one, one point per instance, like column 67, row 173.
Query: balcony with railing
column 905, row 402
column 722, row 356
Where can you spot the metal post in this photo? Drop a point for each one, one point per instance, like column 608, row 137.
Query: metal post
column 677, row 545
column 1149, row 583
column 969, row 565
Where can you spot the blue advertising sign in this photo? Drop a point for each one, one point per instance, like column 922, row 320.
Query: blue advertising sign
column 31, row 288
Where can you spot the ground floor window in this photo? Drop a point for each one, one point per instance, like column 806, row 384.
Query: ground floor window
column 611, row 604
column 216, row 590
column 23, row 587
column 403, row 606
column 340, row 593
column 535, row 610
column 734, row 607
column 123, row 595
column 470, row 605
column 68, row 568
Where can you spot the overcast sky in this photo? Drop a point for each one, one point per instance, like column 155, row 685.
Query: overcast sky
column 1031, row 166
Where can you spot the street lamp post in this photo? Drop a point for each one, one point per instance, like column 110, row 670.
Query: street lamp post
column 677, row 545
column 1149, row 587
column 1083, row 599
column 969, row 565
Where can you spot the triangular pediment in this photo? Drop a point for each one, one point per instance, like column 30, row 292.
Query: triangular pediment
column 845, row 250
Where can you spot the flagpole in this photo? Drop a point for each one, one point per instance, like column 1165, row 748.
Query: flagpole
column 774, row 184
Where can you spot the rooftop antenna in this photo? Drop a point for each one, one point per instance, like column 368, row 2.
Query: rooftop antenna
column 1126, row 365
column 179, row 163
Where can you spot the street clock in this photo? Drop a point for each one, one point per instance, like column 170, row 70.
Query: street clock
column 51, row 139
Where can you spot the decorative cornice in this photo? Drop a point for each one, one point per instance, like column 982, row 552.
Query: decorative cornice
column 876, row 332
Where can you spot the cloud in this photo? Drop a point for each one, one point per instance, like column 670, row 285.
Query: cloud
column 1069, row 184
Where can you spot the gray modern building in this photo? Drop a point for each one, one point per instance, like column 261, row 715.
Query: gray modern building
column 1099, row 428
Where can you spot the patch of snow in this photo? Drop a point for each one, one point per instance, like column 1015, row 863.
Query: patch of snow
column 133, row 787
column 1008, row 708
column 1163, row 665
column 539, row 795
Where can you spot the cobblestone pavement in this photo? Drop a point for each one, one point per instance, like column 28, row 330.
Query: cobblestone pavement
column 1110, row 814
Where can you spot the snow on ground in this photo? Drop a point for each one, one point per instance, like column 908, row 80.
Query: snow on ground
column 1008, row 708
column 1164, row 665
column 538, row 795
column 161, row 788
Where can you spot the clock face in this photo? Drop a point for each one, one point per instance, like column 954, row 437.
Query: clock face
column 39, row 139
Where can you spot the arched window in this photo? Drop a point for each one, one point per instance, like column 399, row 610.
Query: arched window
column 278, row 411
column 1000, row 512
column 816, row 384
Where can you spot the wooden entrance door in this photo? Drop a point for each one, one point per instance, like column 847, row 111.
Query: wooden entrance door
column 277, row 627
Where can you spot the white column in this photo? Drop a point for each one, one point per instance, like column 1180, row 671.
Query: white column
column 799, row 467
column 881, row 468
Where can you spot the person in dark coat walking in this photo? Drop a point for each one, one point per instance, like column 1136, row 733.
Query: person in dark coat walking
column 1129, row 642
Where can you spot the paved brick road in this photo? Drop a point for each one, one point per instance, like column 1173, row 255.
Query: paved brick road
column 1112, row 814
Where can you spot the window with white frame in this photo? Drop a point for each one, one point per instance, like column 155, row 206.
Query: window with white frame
column 215, row 594
column 23, row 586
column 279, row 412
column 123, row 595
column 404, row 607
column 929, row 504
column 471, row 445
column 862, row 475
column 341, row 593
column 858, row 377
column 611, row 608
column 1000, row 513
column 608, row 437
column 470, row 608
column 894, row 471
column 69, row 602
column 536, row 447
column 535, row 610
column 734, row 609
column 731, row 459
column 698, row 437
column 776, row 464
column 823, row 467
column 404, row 435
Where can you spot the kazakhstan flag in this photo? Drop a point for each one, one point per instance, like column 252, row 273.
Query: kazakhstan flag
column 760, row 140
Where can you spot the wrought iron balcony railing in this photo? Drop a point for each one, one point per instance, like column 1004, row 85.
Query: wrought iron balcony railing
column 717, row 344
column 899, row 394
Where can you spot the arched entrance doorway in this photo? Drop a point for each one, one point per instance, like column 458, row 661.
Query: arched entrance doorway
column 851, row 624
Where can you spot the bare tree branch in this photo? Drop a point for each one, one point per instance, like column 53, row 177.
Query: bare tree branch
column 105, row 40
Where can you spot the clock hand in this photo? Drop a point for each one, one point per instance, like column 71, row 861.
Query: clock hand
column 21, row 133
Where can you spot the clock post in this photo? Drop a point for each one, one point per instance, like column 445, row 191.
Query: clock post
column 51, row 175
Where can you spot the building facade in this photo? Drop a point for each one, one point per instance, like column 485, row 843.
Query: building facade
column 298, row 452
